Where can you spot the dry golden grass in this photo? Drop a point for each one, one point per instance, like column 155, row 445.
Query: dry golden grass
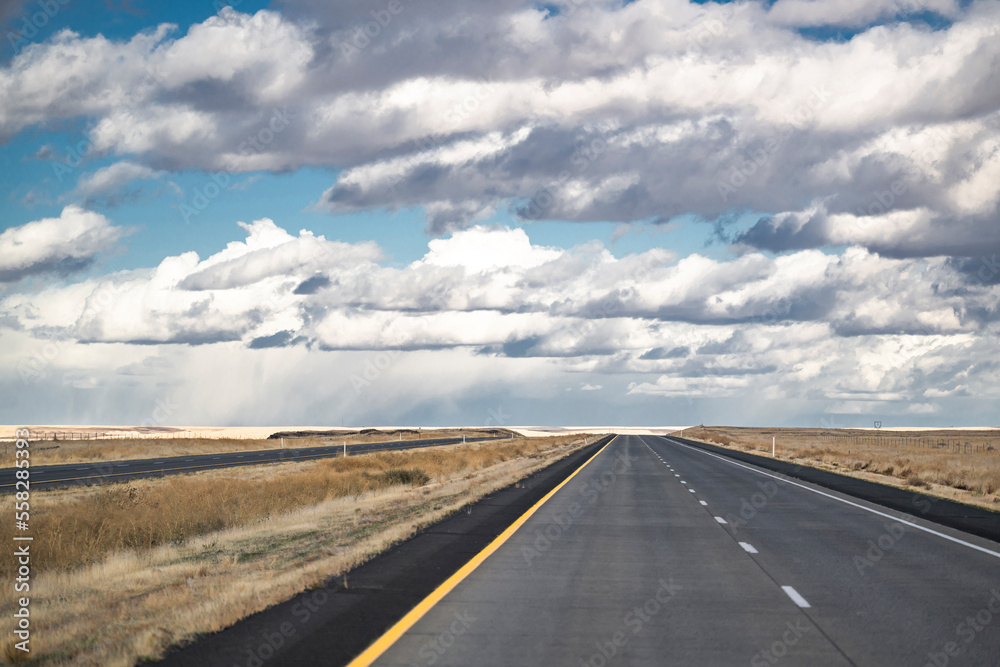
column 134, row 568
column 148, row 513
column 959, row 465
column 54, row 452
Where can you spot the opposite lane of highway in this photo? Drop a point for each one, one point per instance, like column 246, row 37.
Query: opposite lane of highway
column 103, row 472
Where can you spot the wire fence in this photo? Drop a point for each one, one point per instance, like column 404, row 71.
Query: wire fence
column 956, row 445
column 137, row 435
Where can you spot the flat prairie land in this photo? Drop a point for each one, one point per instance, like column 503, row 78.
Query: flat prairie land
column 78, row 432
column 961, row 465
column 120, row 572
column 58, row 447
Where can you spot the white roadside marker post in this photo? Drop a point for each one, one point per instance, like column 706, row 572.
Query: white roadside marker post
column 345, row 448
column 773, row 439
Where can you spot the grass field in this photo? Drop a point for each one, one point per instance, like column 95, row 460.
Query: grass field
column 59, row 451
column 954, row 464
column 121, row 572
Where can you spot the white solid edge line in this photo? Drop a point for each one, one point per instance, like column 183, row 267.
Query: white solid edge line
column 703, row 503
column 748, row 547
column 721, row 520
column 846, row 502
column 796, row 598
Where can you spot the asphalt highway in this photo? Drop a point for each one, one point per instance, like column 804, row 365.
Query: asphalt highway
column 117, row 471
column 658, row 553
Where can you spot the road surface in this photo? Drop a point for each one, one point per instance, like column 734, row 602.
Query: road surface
column 657, row 553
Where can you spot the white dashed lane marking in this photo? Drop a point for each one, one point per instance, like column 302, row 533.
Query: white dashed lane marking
column 796, row 598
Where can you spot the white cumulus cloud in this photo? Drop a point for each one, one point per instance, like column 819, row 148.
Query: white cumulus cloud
column 56, row 245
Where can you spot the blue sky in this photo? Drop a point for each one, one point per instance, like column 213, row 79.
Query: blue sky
column 41, row 188
column 654, row 212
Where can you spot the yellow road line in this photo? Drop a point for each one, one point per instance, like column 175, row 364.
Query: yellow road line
column 382, row 644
